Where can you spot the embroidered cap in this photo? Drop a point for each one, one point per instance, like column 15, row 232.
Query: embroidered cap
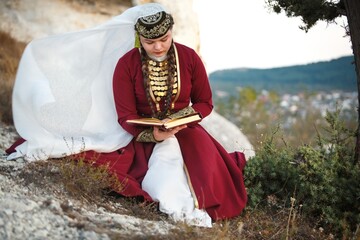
column 154, row 26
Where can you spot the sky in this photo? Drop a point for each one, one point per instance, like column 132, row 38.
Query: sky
column 244, row 33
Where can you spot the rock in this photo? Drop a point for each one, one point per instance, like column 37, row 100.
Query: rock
column 28, row 211
column 228, row 134
column 38, row 215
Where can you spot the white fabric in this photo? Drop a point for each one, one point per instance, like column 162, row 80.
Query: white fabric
column 166, row 182
column 62, row 98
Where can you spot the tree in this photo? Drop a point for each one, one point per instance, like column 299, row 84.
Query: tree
column 312, row 11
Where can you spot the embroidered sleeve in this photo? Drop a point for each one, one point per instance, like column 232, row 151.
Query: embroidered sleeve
column 183, row 112
column 147, row 136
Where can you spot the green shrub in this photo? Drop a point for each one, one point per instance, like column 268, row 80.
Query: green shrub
column 324, row 180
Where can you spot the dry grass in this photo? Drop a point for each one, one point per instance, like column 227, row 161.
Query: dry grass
column 79, row 180
column 73, row 179
column 10, row 53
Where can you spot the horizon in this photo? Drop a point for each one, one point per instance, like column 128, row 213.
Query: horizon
column 294, row 65
column 245, row 34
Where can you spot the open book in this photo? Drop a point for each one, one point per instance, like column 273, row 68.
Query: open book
column 194, row 117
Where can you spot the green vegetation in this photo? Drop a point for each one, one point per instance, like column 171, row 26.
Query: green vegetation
column 298, row 116
column 321, row 183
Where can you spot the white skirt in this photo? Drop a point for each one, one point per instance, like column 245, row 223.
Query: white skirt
column 166, row 182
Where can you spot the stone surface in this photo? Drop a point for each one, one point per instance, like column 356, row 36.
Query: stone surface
column 29, row 211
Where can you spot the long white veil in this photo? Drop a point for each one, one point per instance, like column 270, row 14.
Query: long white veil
column 63, row 99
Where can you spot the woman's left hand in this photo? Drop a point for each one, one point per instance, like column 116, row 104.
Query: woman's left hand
column 161, row 134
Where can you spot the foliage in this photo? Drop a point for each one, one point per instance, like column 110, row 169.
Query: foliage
column 254, row 112
column 312, row 11
column 247, row 96
column 309, row 10
column 324, row 180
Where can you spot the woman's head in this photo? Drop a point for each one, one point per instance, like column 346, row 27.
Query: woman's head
column 155, row 32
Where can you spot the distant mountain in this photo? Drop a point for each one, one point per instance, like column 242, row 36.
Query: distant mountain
column 337, row 74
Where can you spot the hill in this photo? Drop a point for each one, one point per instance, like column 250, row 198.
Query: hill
column 337, row 74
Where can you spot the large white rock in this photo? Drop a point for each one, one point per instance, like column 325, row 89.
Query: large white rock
column 228, row 134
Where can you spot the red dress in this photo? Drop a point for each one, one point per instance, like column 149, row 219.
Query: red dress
column 215, row 175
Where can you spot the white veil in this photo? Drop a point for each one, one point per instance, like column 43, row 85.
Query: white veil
column 62, row 98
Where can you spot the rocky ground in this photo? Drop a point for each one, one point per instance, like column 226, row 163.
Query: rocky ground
column 35, row 204
column 42, row 209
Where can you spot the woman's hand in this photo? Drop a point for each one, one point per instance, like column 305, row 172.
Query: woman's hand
column 161, row 134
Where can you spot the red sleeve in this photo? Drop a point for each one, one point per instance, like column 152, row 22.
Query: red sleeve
column 201, row 95
column 124, row 95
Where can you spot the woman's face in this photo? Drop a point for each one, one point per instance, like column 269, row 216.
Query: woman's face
column 157, row 47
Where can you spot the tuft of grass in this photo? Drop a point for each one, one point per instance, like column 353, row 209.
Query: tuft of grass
column 78, row 179
column 82, row 179
column 10, row 54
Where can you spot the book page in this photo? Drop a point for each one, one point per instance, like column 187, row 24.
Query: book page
column 181, row 121
column 146, row 121
column 167, row 125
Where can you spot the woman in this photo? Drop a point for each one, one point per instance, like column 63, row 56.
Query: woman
column 187, row 171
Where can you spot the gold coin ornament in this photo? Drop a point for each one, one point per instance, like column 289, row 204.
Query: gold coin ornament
column 159, row 82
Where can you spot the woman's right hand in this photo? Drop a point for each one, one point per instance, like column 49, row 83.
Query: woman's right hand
column 161, row 134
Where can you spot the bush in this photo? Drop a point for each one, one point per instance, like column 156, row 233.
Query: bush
column 324, row 180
